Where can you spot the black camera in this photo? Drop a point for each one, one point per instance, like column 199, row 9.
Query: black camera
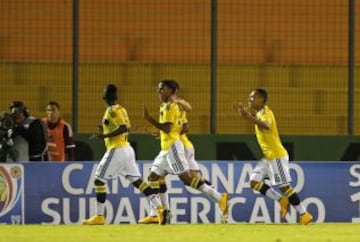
column 7, row 123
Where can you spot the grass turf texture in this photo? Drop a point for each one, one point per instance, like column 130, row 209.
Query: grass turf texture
column 324, row 232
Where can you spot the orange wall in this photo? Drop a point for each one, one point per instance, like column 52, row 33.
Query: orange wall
column 36, row 30
column 177, row 31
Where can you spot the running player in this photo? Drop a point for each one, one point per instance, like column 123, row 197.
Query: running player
column 190, row 157
column 275, row 164
column 172, row 159
column 119, row 158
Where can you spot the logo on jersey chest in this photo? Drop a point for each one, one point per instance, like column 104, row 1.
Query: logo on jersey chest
column 105, row 121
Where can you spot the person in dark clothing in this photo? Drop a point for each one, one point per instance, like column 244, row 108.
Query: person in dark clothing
column 30, row 135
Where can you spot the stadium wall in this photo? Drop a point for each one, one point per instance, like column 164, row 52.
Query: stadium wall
column 49, row 193
column 306, row 99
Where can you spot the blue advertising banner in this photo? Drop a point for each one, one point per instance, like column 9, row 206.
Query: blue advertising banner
column 63, row 193
column 12, row 194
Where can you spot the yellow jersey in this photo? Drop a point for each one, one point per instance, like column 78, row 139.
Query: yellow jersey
column 170, row 113
column 114, row 117
column 269, row 140
column 183, row 138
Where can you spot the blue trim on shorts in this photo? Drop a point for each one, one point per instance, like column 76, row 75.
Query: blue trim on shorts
column 281, row 170
column 178, row 165
column 107, row 163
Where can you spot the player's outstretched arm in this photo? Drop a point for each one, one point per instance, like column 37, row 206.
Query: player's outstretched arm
column 244, row 112
column 182, row 103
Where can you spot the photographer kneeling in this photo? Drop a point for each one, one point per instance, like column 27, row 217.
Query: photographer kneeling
column 29, row 137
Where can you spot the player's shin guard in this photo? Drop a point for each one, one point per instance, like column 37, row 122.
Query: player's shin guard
column 155, row 186
column 261, row 187
column 266, row 190
column 154, row 202
column 199, row 184
column 164, row 195
column 292, row 195
column 162, row 186
column 145, row 189
column 100, row 191
column 153, row 190
column 294, row 200
column 196, row 182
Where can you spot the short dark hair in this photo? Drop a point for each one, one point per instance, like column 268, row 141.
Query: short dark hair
column 172, row 84
column 53, row 103
column 110, row 92
column 263, row 93
column 19, row 107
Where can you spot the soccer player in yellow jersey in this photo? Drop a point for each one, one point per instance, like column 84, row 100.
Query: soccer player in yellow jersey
column 171, row 159
column 119, row 158
column 190, row 157
column 275, row 164
column 188, row 146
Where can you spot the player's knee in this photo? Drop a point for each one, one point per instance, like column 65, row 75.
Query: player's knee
column 98, row 182
column 153, row 177
column 136, row 182
column 186, row 178
column 253, row 184
column 195, row 173
column 162, row 179
column 284, row 188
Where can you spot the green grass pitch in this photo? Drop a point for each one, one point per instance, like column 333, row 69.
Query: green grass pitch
column 324, row 232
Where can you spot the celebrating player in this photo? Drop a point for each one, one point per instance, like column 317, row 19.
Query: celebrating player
column 172, row 159
column 119, row 158
column 275, row 164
